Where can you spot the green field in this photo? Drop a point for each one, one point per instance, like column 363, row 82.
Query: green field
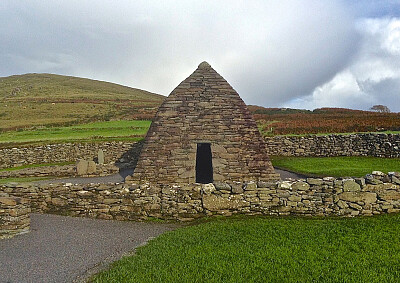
column 97, row 131
column 353, row 166
column 261, row 249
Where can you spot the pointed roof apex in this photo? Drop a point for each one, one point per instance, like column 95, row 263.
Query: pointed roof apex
column 204, row 65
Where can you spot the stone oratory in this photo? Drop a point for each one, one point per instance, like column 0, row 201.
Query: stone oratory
column 203, row 133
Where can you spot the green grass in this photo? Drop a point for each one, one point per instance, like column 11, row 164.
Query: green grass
column 24, row 179
column 354, row 166
column 268, row 250
column 110, row 130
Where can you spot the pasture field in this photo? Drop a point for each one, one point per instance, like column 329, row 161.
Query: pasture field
column 267, row 249
column 351, row 166
column 97, row 131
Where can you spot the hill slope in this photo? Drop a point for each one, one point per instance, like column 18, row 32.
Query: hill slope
column 46, row 99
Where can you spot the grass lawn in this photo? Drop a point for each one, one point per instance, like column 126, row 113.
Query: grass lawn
column 264, row 249
column 98, row 131
column 355, row 166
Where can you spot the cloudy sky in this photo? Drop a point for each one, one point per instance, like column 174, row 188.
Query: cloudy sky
column 277, row 53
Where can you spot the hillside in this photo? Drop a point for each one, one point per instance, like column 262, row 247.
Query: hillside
column 282, row 121
column 33, row 100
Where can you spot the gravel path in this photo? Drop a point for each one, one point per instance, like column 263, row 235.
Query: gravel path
column 64, row 249
column 289, row 175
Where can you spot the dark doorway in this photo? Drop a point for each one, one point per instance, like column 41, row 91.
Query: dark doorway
column 204, row 169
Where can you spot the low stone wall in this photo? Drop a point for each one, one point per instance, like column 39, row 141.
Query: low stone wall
column 114, row 152
column 59, row 171
column 375, row 194
column 14, row 216
column 379, row 145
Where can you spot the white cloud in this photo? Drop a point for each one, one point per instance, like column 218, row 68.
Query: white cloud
column 270, row 51
column 275, row 53
column 372, row 78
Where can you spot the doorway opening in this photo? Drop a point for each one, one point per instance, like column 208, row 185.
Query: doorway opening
column 204, row 169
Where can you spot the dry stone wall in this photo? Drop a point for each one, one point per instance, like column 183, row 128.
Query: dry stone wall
column 120, row 152
column 375, row 194
column 60, row 171
column 378, row 145
column 14, row 216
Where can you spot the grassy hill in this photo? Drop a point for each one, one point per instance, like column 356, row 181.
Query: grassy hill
column 34, row 100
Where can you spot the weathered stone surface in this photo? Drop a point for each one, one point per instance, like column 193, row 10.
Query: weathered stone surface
column 314, row 181
column 100, row 156
column 216, row 203
column 389, row 195
column 222, row 186
column 91, row 168
column 250, row 186
column 14, row 216
column 82, row 167
column 8, row 201
column 358, row 196
column 395, row 180
column 370, row 179
column 300, row 186
column 203, row 108
column 351, row 186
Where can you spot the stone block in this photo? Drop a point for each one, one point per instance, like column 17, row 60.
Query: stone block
column 300, row 186
column 222, row 186
column 82, row 167
column 100, row 156
column 365, row 197
column 351, row 186
column 9, row 201
column 91, row 168
column 389, row 195
column 216, row 203
column 315, row 182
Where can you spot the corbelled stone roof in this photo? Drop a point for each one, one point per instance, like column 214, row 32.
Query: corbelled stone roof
column 203, row 108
